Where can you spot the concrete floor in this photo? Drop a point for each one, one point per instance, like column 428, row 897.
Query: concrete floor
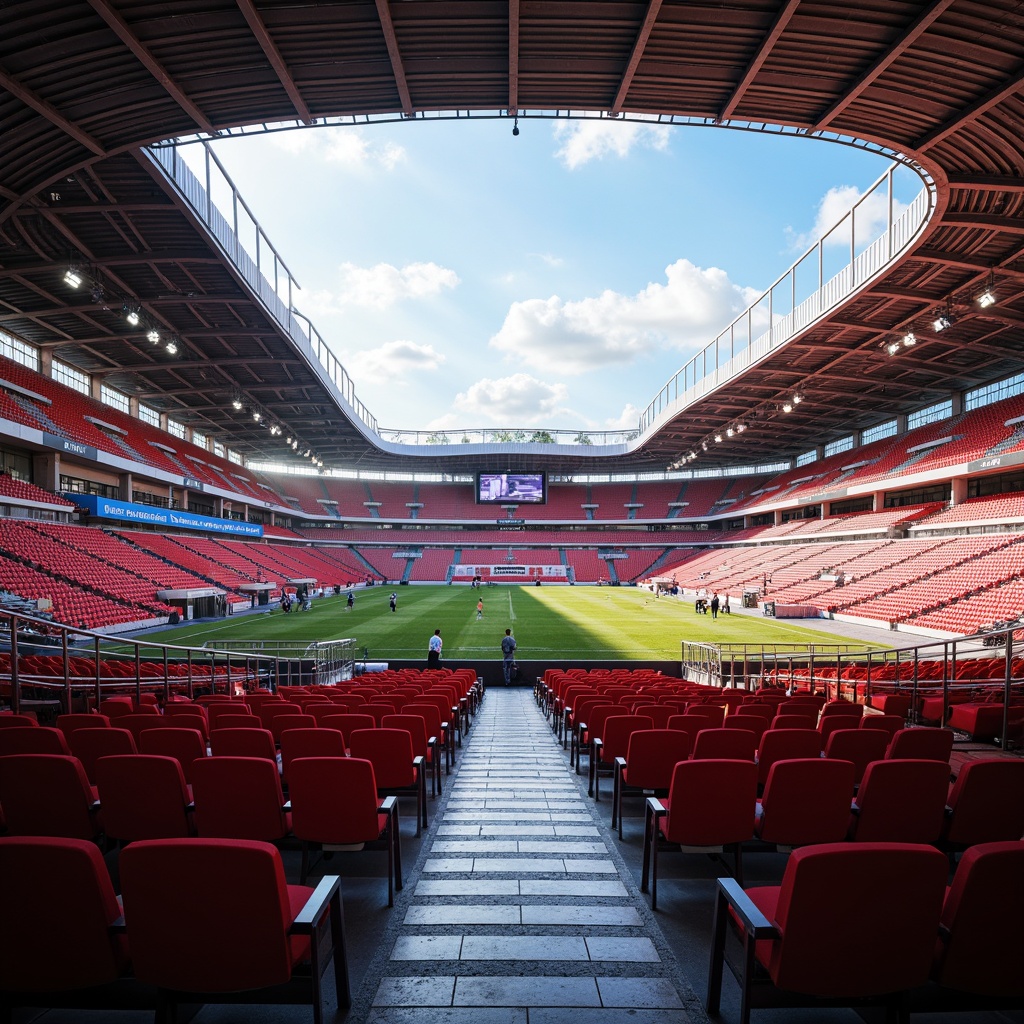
column 521, row 906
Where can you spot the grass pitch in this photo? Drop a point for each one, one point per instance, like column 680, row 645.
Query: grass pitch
column 558, row 623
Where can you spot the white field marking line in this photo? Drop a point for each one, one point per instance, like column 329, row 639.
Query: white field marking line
column 511, row 613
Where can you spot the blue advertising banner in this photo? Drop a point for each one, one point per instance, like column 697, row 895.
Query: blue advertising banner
column 111, row 508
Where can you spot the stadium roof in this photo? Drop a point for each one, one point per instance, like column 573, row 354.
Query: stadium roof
column 85, row 83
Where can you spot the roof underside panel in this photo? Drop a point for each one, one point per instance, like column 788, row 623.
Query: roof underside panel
column 83, row 83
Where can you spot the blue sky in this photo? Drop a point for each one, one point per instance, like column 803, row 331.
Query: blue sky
column 466, row 278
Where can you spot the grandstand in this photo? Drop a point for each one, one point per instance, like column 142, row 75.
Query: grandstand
column 852, row 463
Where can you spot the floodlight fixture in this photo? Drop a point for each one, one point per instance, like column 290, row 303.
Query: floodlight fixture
column 257, row 415
column 892, row 348
column 941, row 322
column 73, row 277
column 987, row 298
column 740, row 427
column 236, row 403
column 787, row 406
column 153, row 335
column 718, row 438
column 729, row 432
column 909, row 339
column 797, row 398
column 704, row 445
column 171, row 347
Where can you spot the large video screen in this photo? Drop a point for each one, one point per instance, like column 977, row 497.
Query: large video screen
column 521, row 488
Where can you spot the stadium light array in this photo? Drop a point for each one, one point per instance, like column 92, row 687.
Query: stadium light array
column 988, row 297
column 73, row 277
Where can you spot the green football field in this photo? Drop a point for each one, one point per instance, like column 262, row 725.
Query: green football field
column 588, row 623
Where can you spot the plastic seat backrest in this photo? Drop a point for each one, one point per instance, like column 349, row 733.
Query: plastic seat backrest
column 69, row 723
column 46, row 795
column 983, row 944
column 32, row 740
column 243, row 743
column 415, row 726
column 70, row 916
column 391, row 752
column 986, row 803
column 143, row 796
column 278, row 724
column 725, row 743
column 714, row 713
column 89, row 745
column 901, row 801
column 377, row 711
column 617, row 732
column 346, row 724
column 208, row 936
column 711, row 802
column 806, row 800
column 219, row 813
column 266, row 711
column 651, row 756
column 184, row 744
column 883, row 917
column 890, row 724
column 861, row 746
column 933, row 744
column 783, row 745
column 794, row 721
column 321, row 742
column 334, row 800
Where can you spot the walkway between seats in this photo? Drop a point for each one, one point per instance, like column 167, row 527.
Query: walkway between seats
column 522, row 912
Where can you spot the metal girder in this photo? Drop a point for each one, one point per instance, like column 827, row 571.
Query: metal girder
column 639, row 45
column 513, row 57
column 397, row 68
column 277, row 62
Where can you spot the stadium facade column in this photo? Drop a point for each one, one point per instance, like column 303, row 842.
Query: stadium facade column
column 959, row 490
column 46, row 471
column 126, row 486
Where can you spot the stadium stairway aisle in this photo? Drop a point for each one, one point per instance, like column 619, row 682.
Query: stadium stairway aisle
column 521, row 911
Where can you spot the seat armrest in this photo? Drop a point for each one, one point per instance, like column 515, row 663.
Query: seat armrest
column 656, row 807
column 418, row 761
column 620, row 763
column 754, row 922
column 286, row 806
column 598, row 745
column 431, row 741
column 388, row 804
column 307, row 918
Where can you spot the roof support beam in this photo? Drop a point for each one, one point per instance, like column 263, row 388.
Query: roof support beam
column 397, row 68
column 121, row 29
column 639, row 45
column 987, row 221
column 47, row 110
column 513, row 57
column 273, row 54
column 782, row 19
column 916, row 30
column 986, row 182
column 971, row 113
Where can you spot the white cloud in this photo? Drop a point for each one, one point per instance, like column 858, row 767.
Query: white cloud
column 347, row 147
column 583, row 141
column 626, row 420
column 516, row 400
column 834, row 207
column 394, row 361
column 684, row 313
column 382, row 285
column 548, row 259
